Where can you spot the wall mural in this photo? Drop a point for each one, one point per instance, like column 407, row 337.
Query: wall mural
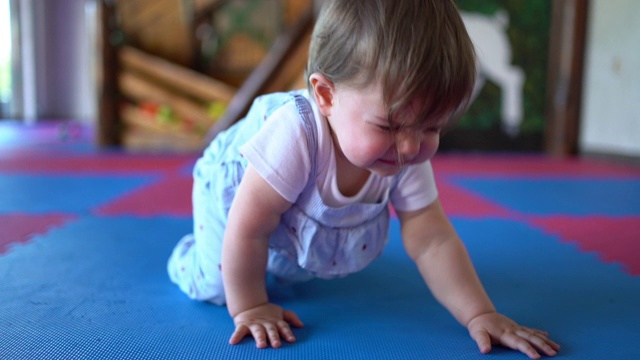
column 511, row 39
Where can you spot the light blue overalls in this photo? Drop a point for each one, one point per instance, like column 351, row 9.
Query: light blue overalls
column 312, row 239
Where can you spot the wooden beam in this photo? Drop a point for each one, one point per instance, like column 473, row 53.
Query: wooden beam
column 178, row 77
column 108, row 129
column 565, row 71
column 261, row 75
column 292, row 69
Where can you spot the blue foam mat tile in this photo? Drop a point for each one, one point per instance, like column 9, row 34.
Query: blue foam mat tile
column 62, row 193
column 97, row 288
column 543, row 196
column 589, row 307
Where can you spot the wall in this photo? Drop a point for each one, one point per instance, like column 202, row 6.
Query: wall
column 56, row 58
column 508, row 114
column 611, row 97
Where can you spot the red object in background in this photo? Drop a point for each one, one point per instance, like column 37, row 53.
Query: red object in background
column 149, row 108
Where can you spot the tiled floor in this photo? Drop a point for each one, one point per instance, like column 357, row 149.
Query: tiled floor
column 85, row 234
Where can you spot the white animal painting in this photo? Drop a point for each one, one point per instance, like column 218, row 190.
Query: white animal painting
column 493, row 51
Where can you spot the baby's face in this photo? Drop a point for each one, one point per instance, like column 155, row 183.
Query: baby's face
column 363, row 134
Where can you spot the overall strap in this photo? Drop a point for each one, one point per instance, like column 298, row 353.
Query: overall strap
column 310, row 127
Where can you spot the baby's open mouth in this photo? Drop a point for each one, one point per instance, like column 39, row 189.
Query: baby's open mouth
column 393, row 162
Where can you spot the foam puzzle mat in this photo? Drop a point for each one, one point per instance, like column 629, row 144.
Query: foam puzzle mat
column 85, row 234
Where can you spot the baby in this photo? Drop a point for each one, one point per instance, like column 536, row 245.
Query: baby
column 301, row 187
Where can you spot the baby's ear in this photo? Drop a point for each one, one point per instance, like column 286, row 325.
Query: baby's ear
column 323, row 92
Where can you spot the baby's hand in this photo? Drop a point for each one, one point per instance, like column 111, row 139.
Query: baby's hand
column 494, row 328
column 265, row 321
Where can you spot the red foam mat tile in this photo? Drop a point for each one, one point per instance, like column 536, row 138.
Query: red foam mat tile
column 19, row 228
column 39, row 162
column 615, row 239
column 171, row 196
column 457, row 201
column 528, row 165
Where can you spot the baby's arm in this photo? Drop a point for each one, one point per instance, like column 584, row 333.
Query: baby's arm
column 254, row 215
column 443, row 262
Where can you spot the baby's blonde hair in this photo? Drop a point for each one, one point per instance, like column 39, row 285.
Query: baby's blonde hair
column 414, row 48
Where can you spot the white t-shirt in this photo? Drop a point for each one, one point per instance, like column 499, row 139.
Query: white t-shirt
column 280, row 154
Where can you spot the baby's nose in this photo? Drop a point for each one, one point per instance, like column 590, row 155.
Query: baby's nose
column 408, row 142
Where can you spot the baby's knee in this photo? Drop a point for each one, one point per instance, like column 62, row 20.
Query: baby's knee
column 219, row 299
column 198, row 280
column 197, row 286
column 212, row 292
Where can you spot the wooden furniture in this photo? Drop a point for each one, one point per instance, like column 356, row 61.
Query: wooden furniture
column 156, row 90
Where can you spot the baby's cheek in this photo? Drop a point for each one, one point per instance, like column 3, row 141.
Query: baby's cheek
column 367, row 151
column 429, row 147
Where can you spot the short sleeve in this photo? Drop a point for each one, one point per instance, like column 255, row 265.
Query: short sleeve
column 279, row 152
column 416, row 188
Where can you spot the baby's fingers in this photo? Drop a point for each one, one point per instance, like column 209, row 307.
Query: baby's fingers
column 516, row 342
column 539, row 340
column 241, row 331
column 273, row 334
column 256, row 330
column 545, row 337
column 483, row 340
column 285, row 331
column 530, row 343
column 263, row 332
column 259, row 334
column 292, row 318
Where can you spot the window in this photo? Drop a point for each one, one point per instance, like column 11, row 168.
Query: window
column 5, row 59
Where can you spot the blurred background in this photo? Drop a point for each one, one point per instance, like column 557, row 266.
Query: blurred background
column 556, row 76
